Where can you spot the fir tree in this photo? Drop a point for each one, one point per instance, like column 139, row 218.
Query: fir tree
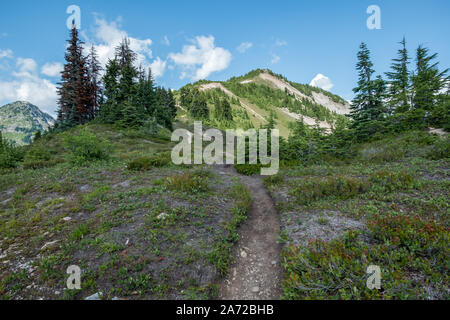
column 226, row 110
column 109, row 110
column 186, row 97
column 75, row 87
column 94, row 70
column 368, row 106
column 427, row 82
column 399, row 84
column 130, row 118
column 146, row 99
column 199, row 107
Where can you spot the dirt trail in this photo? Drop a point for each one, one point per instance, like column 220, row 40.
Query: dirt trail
column 256, row 273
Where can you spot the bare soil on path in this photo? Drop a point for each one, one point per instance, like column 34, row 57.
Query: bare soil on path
column 256, row 273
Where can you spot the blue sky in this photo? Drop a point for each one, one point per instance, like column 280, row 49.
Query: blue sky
column 187, row 40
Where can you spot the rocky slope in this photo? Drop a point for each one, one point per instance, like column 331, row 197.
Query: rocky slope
column 20, row 120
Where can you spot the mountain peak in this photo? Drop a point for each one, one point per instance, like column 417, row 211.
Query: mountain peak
column 20, row 120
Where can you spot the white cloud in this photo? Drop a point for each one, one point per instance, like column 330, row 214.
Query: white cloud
column 158, row 67
column 202, row 58
column 27, row 65
column 6, row 53
column 108, row 36
column 244, row 46
column 275, row 59
column 280, row 43
column 322, row 82
column 26, row 85
column 52, row 69
column 166, row 41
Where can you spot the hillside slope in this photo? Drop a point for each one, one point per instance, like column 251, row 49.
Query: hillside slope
column 138, row 226
column 20, row 120
column 110, row 201
column 260, row 95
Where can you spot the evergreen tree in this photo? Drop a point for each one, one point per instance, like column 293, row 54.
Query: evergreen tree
column 367, row 107
column 226, row 110
column 75, row 87
column 131, row 117
column 440, row 116
column 171, row 108
column 109, row 110
column 186, row 97
column 427, row 82
column 146, row 99
column 399, row 83
column 199, row 107
column 218, row 113
column 94, row 70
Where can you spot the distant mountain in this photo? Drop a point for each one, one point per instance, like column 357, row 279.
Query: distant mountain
column 20, row 120
column 261, row 94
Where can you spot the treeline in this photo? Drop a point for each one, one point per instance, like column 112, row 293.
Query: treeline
column 125, row 95
column 406, row 99
column 196, row 103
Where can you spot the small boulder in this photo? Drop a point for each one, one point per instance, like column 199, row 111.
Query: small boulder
column 255, row 289
column 95, row 296
column 49, row 245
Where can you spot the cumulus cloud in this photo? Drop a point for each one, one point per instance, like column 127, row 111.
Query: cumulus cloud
column 52, row 69
column 275, row 59
column 6, row 53
column 201, row 58
column 244, row 46
column 26, row 66
column 322, row 82
column 108, row 35
column 158, row 67
column 26, row 85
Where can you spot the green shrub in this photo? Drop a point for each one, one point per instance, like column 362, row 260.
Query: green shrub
column 339, row 187
column 389, row 181
column 420, row 236
column 146, row 163
column 243, row 199
column 10, row 155
column 188, row 183
column 38, row 157
column 37, row 153
column 439, row 150
column 383, row 153
column 38, row 164
column 401, row 244
column 273, row 180
column 84, row 146
column 248, row 169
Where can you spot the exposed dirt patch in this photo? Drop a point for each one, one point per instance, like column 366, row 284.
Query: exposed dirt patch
column 256, row 273
column 326, row 225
